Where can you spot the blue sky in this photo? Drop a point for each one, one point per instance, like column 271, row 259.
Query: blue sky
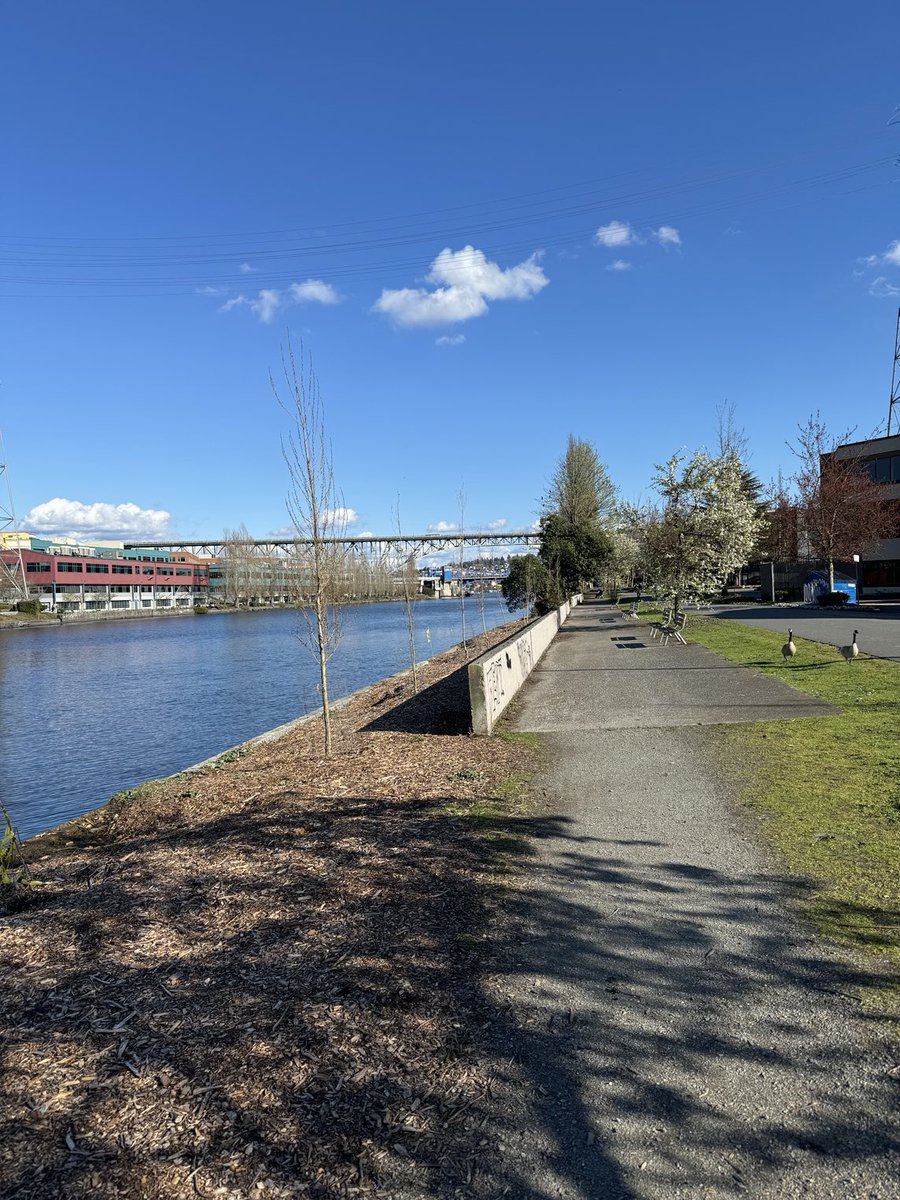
column 490, row 224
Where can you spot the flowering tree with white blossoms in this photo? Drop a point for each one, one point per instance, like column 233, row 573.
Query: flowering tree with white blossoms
column 706, row 529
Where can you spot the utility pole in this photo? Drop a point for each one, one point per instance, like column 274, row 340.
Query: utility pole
column 11, row 581
column 895, row 381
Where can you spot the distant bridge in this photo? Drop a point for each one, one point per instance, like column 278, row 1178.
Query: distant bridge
column 404, row 544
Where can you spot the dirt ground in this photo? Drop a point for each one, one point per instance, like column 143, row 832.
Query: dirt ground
column 262, row 978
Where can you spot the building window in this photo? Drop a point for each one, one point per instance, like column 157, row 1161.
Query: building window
column 119, row 570
column 33, row 566
column 69, row 567
column 179, row 572
column 97, row 569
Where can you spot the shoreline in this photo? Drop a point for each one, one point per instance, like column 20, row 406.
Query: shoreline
column 269, row 968
column 51, row 621
column 57, row 836
column 76, row 830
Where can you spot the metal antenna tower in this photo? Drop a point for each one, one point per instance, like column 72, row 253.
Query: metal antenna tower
column 12, row 575
column 895, row 380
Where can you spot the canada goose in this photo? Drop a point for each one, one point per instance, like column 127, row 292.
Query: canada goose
column 852, row 651
column 789, row 649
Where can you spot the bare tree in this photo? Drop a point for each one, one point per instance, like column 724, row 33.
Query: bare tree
column 780, row 540
column 841, row 507
column 237, row 548
column 731, row 439
column 408, row 600
column 461, row 499
column 317, row 513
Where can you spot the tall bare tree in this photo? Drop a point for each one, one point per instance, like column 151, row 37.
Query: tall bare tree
column 841, row 507
column 461, row 499
column 317, row 512
column 408, row 575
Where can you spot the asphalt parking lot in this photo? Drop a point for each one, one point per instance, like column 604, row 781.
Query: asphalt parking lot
column 879, row 632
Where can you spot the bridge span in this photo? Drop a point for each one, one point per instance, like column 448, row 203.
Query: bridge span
column 401, row 544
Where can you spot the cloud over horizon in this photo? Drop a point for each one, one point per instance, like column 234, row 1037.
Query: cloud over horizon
column 464, row 281
column 120, row 522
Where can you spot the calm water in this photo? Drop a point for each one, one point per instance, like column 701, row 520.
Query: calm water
column 86, row 710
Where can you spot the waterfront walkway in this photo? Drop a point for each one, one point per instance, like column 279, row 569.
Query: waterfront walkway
column 674, row 1028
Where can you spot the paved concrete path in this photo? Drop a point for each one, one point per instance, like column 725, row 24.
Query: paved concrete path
column 672, row 1029
column 879, row 633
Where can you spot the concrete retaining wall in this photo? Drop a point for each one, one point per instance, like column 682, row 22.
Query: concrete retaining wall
column 495, row 677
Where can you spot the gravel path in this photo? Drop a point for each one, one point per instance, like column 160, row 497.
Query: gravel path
column 671, row 1028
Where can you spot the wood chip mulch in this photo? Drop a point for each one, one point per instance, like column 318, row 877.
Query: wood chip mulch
column 261, row 979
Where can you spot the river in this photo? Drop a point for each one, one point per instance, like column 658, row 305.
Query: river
column 87, row 710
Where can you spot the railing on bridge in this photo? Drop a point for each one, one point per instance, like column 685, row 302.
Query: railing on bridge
column 401, row 544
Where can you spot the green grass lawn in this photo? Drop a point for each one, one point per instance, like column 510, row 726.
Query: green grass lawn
column 828, row 787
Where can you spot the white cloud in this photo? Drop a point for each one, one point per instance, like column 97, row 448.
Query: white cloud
column 498, row 524
column 314, row 289
column 890, row 257
column 266, row 304
column 246, row 269
column 455, row 339
column 883, row 287
column 619, row 265
column 443, row 527
column 269, row 301
column 72, row 518
column 465, row 280
column 667, row 235
column 339, row 518
column 210, row 291
column 616, row 233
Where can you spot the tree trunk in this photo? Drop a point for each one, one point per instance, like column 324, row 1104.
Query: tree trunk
column 831, row 574
column 323, row 675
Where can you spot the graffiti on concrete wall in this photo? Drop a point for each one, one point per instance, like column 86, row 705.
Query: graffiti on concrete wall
column 523, row 649
column 493, row 686
column 501, row 677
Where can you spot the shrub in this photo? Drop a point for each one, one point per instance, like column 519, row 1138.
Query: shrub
column 200, row 610
column 833, row 599
column 32, row 607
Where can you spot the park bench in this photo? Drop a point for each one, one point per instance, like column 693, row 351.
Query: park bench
column 658, row 628
column 675, row 630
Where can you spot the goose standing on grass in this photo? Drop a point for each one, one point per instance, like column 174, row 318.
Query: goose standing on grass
column 852, row 651
column 789, row 649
